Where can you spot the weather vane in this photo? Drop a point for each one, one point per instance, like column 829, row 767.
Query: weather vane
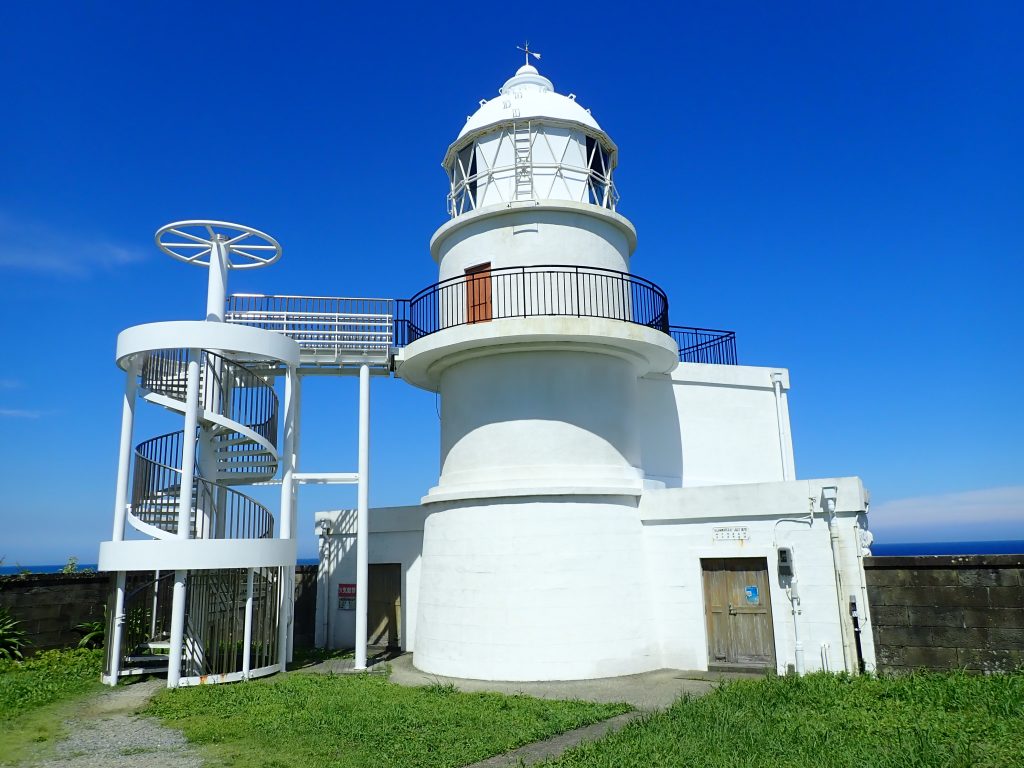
column 526, row 50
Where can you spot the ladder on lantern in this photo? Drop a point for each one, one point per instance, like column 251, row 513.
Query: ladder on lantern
column 522, row 141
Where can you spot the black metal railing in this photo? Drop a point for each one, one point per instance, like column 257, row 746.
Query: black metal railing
column 549, row 290
column 225, row 387
column 214, row 511
column 705, row 345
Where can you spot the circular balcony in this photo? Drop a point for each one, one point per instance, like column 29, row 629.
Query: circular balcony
column 544, row 307
column 537, row 291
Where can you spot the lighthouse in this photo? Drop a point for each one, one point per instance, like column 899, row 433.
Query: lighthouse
column 615, row 494
column 535, row 337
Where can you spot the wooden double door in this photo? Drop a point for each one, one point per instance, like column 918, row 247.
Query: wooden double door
column 384, row 605
column 738, row 610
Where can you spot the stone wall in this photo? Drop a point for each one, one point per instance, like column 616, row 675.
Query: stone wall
column 947, row 612
column 51, row 605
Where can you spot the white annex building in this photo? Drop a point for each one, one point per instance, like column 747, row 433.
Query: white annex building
column 617, row 494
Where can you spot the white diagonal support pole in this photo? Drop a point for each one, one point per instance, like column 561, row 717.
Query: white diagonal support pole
column 363, row 517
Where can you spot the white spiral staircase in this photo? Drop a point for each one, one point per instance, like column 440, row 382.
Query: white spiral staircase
column 199, row 594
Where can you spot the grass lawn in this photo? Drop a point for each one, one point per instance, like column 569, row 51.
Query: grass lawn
column 821, row 721
column 35, row 696
column 347, row 721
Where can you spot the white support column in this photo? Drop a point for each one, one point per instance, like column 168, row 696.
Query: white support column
column 177, row 638
column 286, row 591
column 124, row 457
column 247, row 632
column 363, row 517
column 188, row 460
column 118, row 630
column 188, row 443
column 296, row 443
column 217, row 283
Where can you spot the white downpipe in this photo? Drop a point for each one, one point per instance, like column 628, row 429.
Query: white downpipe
column 247, row 632
column 115, row 641
column 784, row 456
column 829, row 502
column 285, row 598
column 217, row 283
column 363, row 517
column 124, row 457
column 177, row 630
column 798, row 644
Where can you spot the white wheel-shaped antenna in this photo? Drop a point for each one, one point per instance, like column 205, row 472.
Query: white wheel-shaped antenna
column 193, row 241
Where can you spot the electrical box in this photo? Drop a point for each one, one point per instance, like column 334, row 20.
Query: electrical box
column 785, row 561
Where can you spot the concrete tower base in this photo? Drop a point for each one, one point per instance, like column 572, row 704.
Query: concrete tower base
column 535, row 588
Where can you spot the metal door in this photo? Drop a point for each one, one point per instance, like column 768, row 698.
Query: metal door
column 384, row 605
column 738, row 609
column 478, row 293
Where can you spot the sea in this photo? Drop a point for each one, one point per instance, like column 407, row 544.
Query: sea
column 1008, row 547
column 7, row 570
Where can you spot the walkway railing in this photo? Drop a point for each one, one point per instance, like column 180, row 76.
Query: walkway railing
column 379, row 327
column 334, row 325
column 548, row 290
column 705, row 345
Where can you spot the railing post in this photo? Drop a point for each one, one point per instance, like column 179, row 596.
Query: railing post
column 578, row 292
column 247, row 632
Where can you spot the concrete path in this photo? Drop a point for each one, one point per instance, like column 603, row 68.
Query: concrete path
column 647, row 691
column 556, row 745
column 105, row 732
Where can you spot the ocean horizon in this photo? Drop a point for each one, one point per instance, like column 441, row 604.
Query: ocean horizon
column 904, row 549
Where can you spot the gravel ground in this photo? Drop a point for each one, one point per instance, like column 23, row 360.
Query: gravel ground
column 106, row 733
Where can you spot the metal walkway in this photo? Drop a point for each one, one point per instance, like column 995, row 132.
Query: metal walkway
column 334, row 333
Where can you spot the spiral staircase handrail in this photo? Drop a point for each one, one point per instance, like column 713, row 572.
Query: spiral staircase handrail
column 237, row 392
column 155, row 495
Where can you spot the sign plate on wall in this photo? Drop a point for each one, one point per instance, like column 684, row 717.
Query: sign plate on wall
column 346, row 597
column 732, row 533
column 753, row 596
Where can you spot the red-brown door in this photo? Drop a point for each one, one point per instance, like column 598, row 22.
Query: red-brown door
column 478, row 293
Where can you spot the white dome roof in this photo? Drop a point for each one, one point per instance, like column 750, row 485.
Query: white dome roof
column 537, row 98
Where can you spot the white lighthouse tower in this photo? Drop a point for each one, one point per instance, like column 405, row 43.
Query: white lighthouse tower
column 535, row 337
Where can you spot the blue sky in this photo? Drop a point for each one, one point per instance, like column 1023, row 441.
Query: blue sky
column 841, row 184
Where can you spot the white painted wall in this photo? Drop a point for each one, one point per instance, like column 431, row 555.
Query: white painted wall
column 535, row 589
column 539, row 417
column 679, row 528
column 396, row 536
column 576, row 234
column 713, row 425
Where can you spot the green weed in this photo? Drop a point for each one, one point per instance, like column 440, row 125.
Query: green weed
column 826, row 721
column 361, row 720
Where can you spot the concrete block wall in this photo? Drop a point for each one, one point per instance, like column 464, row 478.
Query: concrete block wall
column 947, row 612
column 51, row 605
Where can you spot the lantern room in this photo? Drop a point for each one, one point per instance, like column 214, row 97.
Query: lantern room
column 530, row 143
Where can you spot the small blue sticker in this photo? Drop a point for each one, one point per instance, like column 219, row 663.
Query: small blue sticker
column 753, row 598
